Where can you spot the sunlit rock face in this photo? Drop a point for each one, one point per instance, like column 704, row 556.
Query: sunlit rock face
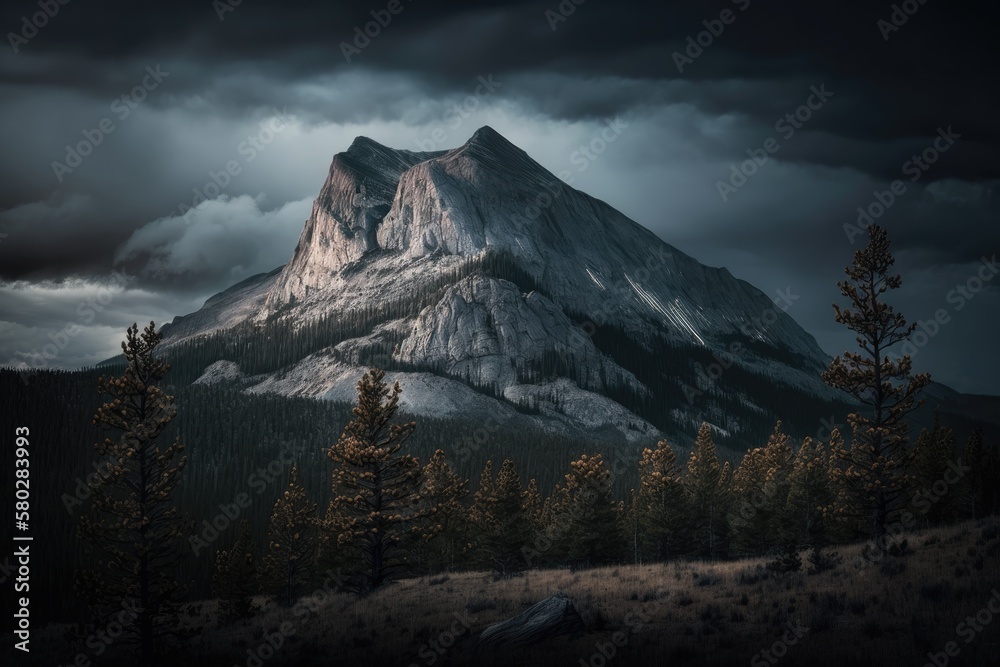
column 472, row 266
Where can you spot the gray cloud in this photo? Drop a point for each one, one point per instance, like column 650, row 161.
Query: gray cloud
column 783, row 228
column 222, row 241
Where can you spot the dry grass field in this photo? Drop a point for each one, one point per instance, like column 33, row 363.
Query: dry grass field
column 895, row 612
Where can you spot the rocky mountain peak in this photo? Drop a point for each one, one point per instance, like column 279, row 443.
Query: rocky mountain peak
column 357, row 194
column 491, row 147
column 479, row 273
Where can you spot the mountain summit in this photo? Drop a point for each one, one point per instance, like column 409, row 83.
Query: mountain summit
column 488, row 285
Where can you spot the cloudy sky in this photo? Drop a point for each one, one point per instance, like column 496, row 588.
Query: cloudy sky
column 115, row 122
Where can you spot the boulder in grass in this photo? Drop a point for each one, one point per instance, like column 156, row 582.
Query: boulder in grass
column 549, row 618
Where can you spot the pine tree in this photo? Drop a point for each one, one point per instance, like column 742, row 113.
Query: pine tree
column 135, row 531
column 445, row 492
column 376, row 513
column 289, row 564
column 235, row 576
column 933, row 453
column 974, row 481
column 708, row 488
column 840, row 519
column 747, row 521
column 659, row 511
column 549, row 530
column 760, row 491
column 875, row 464
column 991, row 480
column 983, row 479
column 534, row 505
column 638, row 546
column 480, row 515
column 501, row 525
column 779, row 461
column 584, row 502
column 810, row 492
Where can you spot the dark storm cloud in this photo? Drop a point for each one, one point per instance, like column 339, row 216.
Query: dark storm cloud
column 929, row 73
column 784, row 227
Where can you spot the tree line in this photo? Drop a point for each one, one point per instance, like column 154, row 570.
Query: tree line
column 387, row 515
column 390, row 516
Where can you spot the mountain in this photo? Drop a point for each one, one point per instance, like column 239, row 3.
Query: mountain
column 489, row 287
column 225, row 309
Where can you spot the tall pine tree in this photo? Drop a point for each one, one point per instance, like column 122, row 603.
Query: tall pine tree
column 591, row 532
column 235, row 579
column 376, row 512
column 874, row 468
column 760, row 492
column 447, row 534
column 983, row 480
column 974, row 480
column 660, row 527
column 708, row 489
column 135, row 531
column 810, row 492
column 290, row 561
column 502, row 529
column 933, row 454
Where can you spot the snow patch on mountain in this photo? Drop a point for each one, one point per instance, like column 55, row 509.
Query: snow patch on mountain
column 222, row 371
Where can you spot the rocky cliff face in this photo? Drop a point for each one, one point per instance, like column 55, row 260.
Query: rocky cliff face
column 482, row 197
column 483, row 329
column 400, row 233
column 224, row 310
column 345, row 217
